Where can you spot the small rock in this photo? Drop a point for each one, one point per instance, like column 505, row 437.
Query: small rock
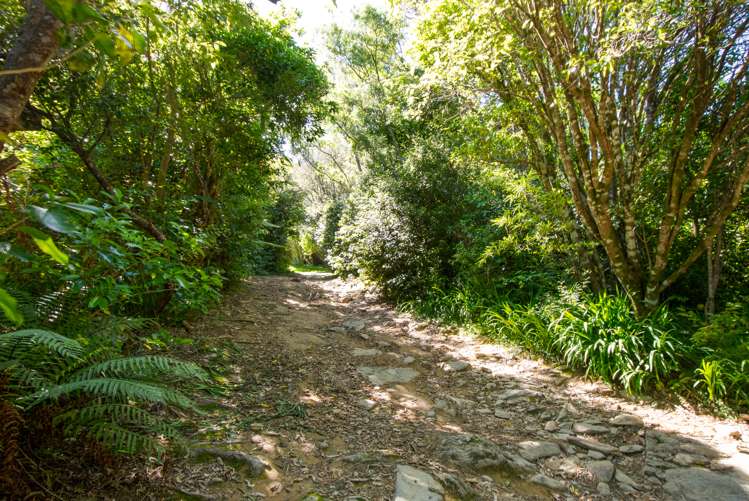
column 549, row 482
column 627, row 420
column 602, row 470
column 354, row 325
column 603, row 489
column 408, row 359
column 533, row 451
column 516, row 394
column 364, row 336
column 455, row 366
column 416, row 485
column 589, row 429
column 383, row 375
column 366, row 403
column 502, row 414
column 591, row 444
column 631, row 449
column 623, row 478
column 551, row 426
column 596, row 455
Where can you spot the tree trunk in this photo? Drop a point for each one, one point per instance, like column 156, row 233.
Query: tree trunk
column 37, row 43
column 714, row 265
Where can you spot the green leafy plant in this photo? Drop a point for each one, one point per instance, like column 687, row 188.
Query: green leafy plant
column 709, row 376
column 96, row 394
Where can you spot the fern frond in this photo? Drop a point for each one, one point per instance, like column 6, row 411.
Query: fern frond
column 117, row 413
column 122, row 440
column 114, row 389
column 16, row 343
column 141, row 368
column 67, row 372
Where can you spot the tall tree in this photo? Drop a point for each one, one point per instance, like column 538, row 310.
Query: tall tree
column 643, row 101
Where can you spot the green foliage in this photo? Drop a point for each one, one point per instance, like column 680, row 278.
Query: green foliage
column 96, row 393
column 602, row 336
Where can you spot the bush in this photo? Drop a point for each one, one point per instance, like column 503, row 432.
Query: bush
column 602, row 336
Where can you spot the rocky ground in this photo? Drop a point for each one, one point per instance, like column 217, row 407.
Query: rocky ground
column 337, row 396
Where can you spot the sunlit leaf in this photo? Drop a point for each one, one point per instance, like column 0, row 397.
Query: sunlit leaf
column 10, row 307
column 46, row 244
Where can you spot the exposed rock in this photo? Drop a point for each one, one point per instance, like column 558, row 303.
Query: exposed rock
column 627, row 420
column 623, row 478
column 470, row 451
column 354, row 325
column 461, row 403
column 385, row 375
column 591, row 444
column 455, row 366
column 631, row 449
column 603, row 489
column 589, row 428
column 603, row 471
column 549, row 482
column 408, row 359
column 456, row 486
column 700, row 450
column 502, row 414
column 521, row 464
column 684, row 459
column 416, row 485
column 366, row 403
column 365, row 352
column 551, row 426
column 596, row 455
column 362, row 457
column 533, row 451
column 699, row 484
column 516, row 394
column 257, row 466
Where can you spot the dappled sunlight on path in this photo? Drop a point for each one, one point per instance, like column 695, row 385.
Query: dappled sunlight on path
column 350, row 389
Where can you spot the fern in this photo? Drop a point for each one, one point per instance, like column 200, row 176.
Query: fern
column 19, row 342
column 101, row 397
column 142, row 367
column 114, row 389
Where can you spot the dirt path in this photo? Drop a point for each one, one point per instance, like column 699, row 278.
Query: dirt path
column 339, row 395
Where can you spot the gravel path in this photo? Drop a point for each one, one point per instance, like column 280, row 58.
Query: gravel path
column 344, row 398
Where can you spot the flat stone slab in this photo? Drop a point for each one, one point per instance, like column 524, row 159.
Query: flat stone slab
column 532, row 450
column 697, row 484
column 416, row 485
column 470, row 451
column 455, row 366
column 591, row 444
column 385, row 375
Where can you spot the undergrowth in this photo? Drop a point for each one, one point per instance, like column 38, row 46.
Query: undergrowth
column 599, row 336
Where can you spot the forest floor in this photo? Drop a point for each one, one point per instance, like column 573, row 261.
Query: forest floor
column 344, row 398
